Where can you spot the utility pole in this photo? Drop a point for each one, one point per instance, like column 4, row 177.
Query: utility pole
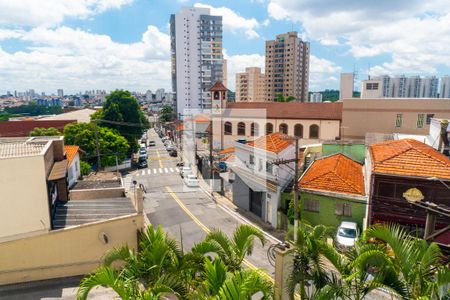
column 97, row 146
column 211, row 173
column 295, row 185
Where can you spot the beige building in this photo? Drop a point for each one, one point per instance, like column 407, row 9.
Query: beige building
column 225, row 72
column 346, row 86
column 287, row 67
column 391, row 115
column 312, row 122
column 250, row 86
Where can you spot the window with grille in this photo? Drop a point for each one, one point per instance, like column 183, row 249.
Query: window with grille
column 241, row 128
column 429, row 117
column 420, row 119
column 311, row 205
column 228, row 128
column 398, row 120
column 343, row 209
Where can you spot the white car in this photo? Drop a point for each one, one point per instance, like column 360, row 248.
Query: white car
column 185, row 171
column 191, row 180
column 346, row 235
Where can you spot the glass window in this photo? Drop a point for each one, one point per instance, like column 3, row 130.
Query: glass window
column 252, row 159
column 241, row 128
column 298, row 130
column 283, row 128
column 228, row 128
column 269, row 168
column 429, row 117
column 269, row 128
column 343, row 209
column 398, row 120
column 314, row 131
column 311, row 205
column 420, row 119
column 254, row 129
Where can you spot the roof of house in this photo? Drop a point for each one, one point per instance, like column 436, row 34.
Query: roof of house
column 20, row 149
column 273, row 142
column 294, row 110
column 227, row 150
column 336, row 173
column 409, row 157
column 58, row 171
column 218, row 86
column 71, row 151
column 24, row 127
column 81, row 115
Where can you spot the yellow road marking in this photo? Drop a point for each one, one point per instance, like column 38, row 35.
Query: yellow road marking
column 207, row 230
column 159, row 159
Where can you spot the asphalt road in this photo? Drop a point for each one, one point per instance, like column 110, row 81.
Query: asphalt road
column 187, row 214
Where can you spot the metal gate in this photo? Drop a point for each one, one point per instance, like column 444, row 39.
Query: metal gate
column 256, row 203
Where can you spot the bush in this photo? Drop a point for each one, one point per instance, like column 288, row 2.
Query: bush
column 85, row 168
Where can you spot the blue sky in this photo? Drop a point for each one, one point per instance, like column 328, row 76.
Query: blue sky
column 106, row 44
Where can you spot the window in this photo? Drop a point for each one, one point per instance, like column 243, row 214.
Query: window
column 429, row 117
column 228, row 128
column 314, row 131
column 252, row 159
column 372, row 86
column 420, row 119
column 283, row 128
column 311, row 205
column 254, row 129
column 260, row 165
column 269, row 168
column 241, row 128
column 343, row 209
column 269, row 128
column 398, row 120
column 298, row 130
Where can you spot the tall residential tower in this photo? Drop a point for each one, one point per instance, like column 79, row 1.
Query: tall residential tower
column 197, row 58
column 287, row 67
column 250, row 85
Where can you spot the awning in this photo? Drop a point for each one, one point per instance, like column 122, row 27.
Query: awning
column 59, row 170
column 254, row 182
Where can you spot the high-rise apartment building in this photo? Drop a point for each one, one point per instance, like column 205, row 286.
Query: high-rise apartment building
column 413, row 85
column 399, row 89
column 429, row 87
column 444, row 92
column 250, row 86
column 159, row 95
column 225, row 74
column 197, row 58
column 287, row 67
column 60, row 92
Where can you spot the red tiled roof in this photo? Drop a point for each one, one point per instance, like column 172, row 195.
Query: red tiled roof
column 228, row 157
column 23, row 128
column 71, row 152
column 227, row 150
column 410, row 158
column 273, row 142
column 218, row 86
column 336, row 173
column 294, row 110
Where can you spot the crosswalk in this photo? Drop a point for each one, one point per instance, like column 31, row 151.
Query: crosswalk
column 156, row 171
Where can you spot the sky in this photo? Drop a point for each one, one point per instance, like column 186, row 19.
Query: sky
column 82, row 45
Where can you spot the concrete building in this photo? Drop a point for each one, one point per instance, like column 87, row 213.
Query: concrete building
column 399, row 87
column 372, row 89
column 389, row 115
column 80, row 116
column 148, row 95
column 315, row 97
column 197, row 58
column 287, row 67
column 159, row 95
column 250, row 86
column 444, row 91
column 225, row 73
column 73, row 164
column 346, row 86
column 60, row 93
column 429, row 87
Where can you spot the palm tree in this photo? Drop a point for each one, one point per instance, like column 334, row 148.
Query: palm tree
column 418, row 264
column 231, row 251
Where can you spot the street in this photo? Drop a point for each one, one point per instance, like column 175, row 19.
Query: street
column 187, row 214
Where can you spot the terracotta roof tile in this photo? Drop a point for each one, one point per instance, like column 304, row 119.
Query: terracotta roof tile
column 71, row 152
column 218, row 86
column 227, row 150
column 410, row 158
column 336, row 173
column 273, row 142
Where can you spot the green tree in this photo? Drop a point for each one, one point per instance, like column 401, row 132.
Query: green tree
column 85, row 168
column 111, row 143
column 279, row 97
column 38, row 131
column 166, row 114
column 33, row 109
column 122, row 107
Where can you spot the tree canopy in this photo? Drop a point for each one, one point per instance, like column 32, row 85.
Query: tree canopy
column 110, row 142
column 166, row 113
column 38, row 131
column 33, row 109
column 282, row 98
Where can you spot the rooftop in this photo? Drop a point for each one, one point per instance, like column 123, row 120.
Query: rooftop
column 294, row 110
column 71, row 151
column 218, row 86
column 20, row 149
column 24, row 127
column 336, row 173
column 409, row 157
column 82, row 115
column 273, row 142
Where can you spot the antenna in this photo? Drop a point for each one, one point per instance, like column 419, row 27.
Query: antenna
column 368, row 71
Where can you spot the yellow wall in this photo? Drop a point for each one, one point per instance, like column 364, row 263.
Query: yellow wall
column 23, row 197
column 65, row 252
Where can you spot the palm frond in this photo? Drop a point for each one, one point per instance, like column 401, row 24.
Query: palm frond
column 243, row 239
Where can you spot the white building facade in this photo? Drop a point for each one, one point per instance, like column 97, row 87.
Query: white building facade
column 197, row 58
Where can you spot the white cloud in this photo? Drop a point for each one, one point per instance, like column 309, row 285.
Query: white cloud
column 71, row 58
column 415, row 33
column 6, row 34
column 52, row 12
column 233, row 21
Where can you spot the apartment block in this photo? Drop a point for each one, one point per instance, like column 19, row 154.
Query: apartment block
column 196, row 56
column 444, row 91
column 400, row 87
column 287, row 67
column 250, row 86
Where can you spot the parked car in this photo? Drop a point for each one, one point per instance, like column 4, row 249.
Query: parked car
column 191, row 180
column 173, row 153
column 346, row 235
column 151, row 143
column 143, row 153
column 165, row 138
column 142, row 163
column 167, row 143
column 185, row 171
column 171, row 147
column 180, row 164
